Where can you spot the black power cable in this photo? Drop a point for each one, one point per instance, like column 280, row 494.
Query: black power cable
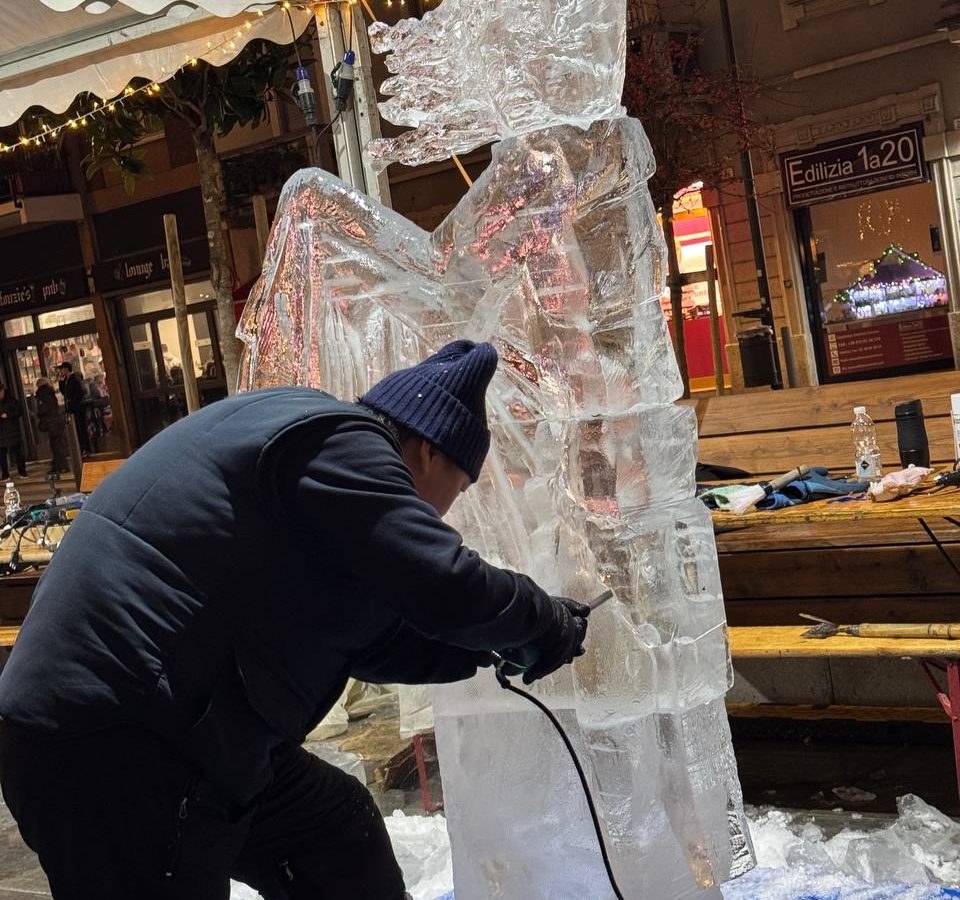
column 597, row 827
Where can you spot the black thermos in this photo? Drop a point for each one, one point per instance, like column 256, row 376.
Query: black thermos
column 912, row 434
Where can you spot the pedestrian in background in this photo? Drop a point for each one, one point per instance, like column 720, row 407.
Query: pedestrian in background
column 10, row 441
column 51, row 421
column 75, row 395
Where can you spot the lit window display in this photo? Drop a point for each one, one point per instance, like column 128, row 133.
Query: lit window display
column 693, row 234
column 897, row 282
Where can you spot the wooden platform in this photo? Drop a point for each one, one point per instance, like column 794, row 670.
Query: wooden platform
column 770, row 432
column 851, row 561
column 94, row 471
column 926, row 715
column 782, row 641
column 8, row 635
column 929, row 505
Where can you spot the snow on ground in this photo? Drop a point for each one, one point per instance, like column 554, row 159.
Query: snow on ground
column 911, row 859
column 422, row 848
column 917, row 857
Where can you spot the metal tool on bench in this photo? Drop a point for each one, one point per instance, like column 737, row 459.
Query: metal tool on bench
column 749, row 497
column 932, row 631
column 948, row 479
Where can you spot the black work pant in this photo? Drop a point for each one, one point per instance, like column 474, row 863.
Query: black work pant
column 15, row 453
column 117, row 816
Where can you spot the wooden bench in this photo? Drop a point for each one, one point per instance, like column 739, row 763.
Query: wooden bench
column 95, row 471
column 8, row 635
column 16, row 590
column 769, row 432
column 849, row 571
column 788, row 642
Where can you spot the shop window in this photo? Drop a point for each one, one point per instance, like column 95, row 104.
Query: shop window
column 158, row 301
column 874, row 256
column 201, row 348
column 18, row 327
column 60, row 317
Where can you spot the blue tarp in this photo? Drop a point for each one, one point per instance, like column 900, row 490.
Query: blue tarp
column 764, row 884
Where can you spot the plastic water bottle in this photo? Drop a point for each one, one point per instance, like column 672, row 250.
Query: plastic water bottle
column 11, row 502
column 866, row 451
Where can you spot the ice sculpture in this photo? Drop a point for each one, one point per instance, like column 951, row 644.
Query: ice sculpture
column 469, row 73
column 555, row 256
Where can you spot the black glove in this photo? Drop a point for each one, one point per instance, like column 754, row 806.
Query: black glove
column 562, row 641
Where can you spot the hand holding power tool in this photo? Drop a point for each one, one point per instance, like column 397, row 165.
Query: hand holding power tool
column 560, row 644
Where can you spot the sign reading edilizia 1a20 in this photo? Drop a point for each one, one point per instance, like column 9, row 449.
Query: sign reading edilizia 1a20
column 860, row 165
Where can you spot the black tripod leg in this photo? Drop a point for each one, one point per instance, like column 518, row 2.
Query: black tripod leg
column 940, row 547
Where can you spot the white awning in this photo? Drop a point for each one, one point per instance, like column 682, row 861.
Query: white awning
column 217, row 7
column 47, row 57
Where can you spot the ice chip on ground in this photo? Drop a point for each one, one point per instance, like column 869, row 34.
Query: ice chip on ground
column 468, row 73
column 932, row 838
column 239, row 891
column 910, row 859
column 883, row 857
column 853, row 794
column 422, row 848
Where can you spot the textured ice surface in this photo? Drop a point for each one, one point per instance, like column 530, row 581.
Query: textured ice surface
column 469, row 73
column 917, row 857
column 554, row 254
column 556, row 257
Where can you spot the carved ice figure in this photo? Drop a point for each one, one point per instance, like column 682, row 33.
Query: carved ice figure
column 555, row 256
column 471, row 72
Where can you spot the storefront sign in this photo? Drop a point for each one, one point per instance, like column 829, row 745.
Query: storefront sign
column 888, row 344
column 150, row 266
column 854, row 166
column 48, row 290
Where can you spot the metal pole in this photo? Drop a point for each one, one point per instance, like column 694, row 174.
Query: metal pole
column 715, row 342
column 753, row 210
column 953, row 687
column 788, row 356
column 262, row 221
column 360, row 122
column 180, row 309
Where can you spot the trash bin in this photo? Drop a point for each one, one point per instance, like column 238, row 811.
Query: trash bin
column 756, row 356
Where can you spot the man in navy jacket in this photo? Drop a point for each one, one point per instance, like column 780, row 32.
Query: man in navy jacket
column 205, row 611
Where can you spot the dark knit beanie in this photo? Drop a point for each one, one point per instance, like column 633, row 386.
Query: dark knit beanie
column 443, row 400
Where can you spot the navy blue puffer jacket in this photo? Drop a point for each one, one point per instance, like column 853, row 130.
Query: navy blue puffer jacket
column 222, row 585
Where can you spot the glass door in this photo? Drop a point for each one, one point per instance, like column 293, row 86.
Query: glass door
column 154, row 348
column 36, row 344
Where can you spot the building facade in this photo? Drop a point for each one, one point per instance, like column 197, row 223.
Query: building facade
column 84, row 274
column 858, row 201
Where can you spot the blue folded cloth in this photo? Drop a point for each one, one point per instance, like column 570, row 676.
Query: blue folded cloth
column 815, row 485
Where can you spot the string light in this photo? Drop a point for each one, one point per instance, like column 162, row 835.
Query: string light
column 152, row 87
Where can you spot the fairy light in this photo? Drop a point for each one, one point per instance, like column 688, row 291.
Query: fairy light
column 153, row 87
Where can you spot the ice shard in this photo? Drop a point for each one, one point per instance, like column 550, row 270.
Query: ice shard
column 556, row 257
